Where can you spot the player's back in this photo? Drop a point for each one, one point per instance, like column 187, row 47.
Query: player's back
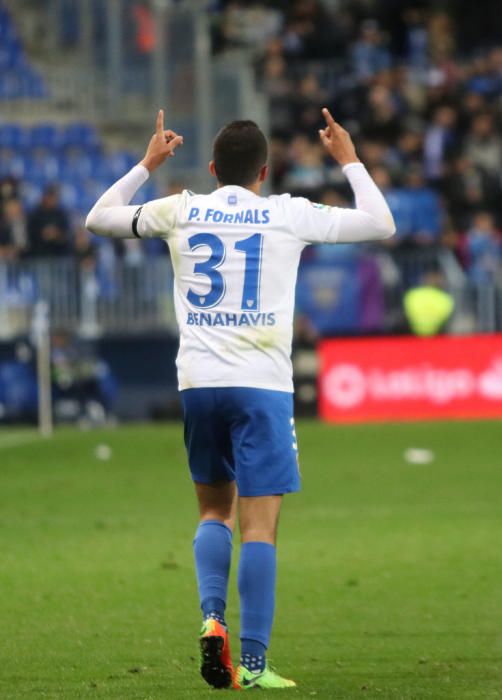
column 235, row 256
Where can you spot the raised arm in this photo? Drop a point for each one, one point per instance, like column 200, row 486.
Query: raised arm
column 112, row 215
column 372, row 219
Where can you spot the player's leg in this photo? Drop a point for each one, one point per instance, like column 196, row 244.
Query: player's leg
column 213, row 545
column 266, row 468
column 258, row 519
column 213, row 553
column 209, row 456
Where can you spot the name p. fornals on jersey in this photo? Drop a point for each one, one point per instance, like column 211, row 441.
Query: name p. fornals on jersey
column 244, row 216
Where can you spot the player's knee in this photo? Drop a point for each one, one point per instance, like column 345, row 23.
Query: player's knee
column 259, row 533
column 225, row 518
column 259, row 518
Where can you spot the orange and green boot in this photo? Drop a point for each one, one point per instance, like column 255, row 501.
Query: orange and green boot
column 268, row 679
column 215, row 659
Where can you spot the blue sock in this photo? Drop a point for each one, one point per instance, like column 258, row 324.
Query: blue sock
column 212, row 548
column 256, row 579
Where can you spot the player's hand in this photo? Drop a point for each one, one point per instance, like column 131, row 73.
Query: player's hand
column 337, row 141
column 162, row 144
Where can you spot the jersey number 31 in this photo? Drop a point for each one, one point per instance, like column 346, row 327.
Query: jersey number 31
column 252, row 249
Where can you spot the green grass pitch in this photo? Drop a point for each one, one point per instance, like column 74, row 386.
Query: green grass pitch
column 390, row 575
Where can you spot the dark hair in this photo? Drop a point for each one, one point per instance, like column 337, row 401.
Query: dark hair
column 239, row 153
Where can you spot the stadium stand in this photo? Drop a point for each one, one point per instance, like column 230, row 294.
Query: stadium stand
column 419, row 88
column 17, row 77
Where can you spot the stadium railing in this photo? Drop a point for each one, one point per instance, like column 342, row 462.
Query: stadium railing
column 91, row 301
column 111, row 296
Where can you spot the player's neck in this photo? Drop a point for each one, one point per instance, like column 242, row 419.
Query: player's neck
column 255, row 187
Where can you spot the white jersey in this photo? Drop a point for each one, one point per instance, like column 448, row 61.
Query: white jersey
column 235, row 257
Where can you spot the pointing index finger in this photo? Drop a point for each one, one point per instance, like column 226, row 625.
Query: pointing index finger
column 160, row 122
column 329, row 119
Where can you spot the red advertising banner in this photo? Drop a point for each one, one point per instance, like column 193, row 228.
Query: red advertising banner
column 410, row 378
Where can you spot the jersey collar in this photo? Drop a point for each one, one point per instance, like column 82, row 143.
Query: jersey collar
column 241, row 192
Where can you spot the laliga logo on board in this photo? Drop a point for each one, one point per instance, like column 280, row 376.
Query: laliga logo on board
column 348, row 385
column 490, row 382
column 345, row 386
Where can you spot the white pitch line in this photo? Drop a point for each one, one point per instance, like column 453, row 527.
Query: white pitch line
column 15, row 440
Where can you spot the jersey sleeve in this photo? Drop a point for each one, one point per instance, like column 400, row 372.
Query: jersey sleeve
column 371, row 220
column 157, row 218
column 314, row 223
column 113, row 216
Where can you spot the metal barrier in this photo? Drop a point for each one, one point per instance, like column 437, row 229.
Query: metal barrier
column 478, row 307
column 122, row 297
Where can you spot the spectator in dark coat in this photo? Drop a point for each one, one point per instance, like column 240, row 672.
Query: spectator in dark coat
column 48, row 227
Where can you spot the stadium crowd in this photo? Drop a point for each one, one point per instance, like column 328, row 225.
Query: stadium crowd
column 52, row 230
column 420, row 88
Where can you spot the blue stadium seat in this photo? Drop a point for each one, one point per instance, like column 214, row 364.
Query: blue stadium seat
column 13, row 136
column 147, row 192
column 70, row 156
column 17, row 77
column 7, row 29
column 12, row 164
column 77, row 166
column 80, row 134
column 85, row 201
column 116, row 164
column 31, row 192
column 69, row 194
column 36, row 87
column 45, row 135
column 46, row 166
column 11, row 54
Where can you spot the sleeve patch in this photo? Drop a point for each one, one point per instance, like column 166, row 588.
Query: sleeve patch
column 318, row 205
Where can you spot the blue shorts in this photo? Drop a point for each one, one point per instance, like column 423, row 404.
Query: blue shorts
column 243, row 434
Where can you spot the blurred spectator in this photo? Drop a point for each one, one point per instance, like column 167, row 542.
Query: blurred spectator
column 250, row 24
column 85, row 248
column 439, row 142
column 468, row 190
column 83, row 385
column 399, row 203
column 416, row 38
column 48, row 227
column 307, row 171
column 305, row 105
column 277, row 85
column 145, row 28
column 409, row 148
column 381, row 120
column 9, row 188
column 13, row 236
column 483, row 144
column 309, row 32
column 369, row 53
column 441, row 31
column 426, row 209
column 428, row 307
column 483, row 248
column 486, row 75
